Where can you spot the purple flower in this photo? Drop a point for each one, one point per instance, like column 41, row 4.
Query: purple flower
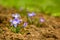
column 15, row 15
column 42, row 20
column 31, row 14
column 25, row 24
column 15, row 22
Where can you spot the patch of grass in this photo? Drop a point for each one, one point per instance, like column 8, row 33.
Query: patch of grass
column 47, row 6
column 29, row 20
column 15, row 30
column 18, row 29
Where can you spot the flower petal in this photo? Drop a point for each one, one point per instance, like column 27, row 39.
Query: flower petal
column 25, row 24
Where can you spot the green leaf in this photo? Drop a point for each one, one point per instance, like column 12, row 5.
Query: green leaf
column 18, row 29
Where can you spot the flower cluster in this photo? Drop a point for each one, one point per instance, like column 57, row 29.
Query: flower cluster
column 17, row 19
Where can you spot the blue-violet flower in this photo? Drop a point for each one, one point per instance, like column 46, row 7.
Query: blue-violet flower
column 42, row 20
column 15, row 22
column 31, row 14
column 25, row 24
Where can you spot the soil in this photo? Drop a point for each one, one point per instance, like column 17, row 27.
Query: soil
column 50, row 30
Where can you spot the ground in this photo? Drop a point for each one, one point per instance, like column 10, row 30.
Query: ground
column 49, row 30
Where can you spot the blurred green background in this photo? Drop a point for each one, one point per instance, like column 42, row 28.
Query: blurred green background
column 48, row 6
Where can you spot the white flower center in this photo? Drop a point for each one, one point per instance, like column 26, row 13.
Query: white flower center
column 14, row 22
